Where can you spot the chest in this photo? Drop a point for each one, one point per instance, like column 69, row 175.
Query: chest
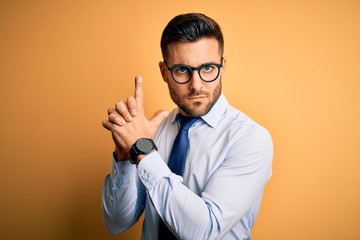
column 208, row 148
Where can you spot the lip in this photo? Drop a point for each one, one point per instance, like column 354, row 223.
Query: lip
column 196, row 97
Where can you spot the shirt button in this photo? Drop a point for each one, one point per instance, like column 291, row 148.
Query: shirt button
column 145, row 176
column 114, row 171
column 124, row 172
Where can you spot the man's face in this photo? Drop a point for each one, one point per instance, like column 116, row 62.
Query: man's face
column 196, row 97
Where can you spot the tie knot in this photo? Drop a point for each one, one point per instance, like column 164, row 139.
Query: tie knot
column 186, row 122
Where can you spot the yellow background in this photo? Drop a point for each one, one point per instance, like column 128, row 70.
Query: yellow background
column 293, row 66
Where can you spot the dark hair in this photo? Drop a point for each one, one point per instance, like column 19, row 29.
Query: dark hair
column 190, row 27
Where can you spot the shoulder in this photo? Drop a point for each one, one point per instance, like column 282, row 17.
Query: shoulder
column 244, row 128
column 251, row 144
column 169, row 124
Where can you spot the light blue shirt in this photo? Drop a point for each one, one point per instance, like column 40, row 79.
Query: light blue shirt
column 229, row 162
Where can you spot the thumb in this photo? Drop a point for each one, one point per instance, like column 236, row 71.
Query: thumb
column 158, row 117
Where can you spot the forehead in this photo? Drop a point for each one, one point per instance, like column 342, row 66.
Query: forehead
column 194, row 53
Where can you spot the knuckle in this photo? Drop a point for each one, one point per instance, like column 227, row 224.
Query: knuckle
column 131, row 102
column 115, row 118
column 131, row 99
column 111, row 117
column 119, row 120
column 118, row 104
column 121, row 107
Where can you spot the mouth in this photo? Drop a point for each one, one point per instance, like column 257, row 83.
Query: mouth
column 197, row 96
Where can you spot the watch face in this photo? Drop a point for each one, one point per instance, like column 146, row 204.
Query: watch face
column 144, row 145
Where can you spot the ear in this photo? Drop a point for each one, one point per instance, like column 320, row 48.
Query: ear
column 224, row 66
column 163, row 70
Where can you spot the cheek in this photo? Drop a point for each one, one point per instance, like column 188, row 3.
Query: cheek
column 211, row 86
column 178, row 89
column 215, row 90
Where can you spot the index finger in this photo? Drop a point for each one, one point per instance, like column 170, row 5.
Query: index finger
column 139, row 92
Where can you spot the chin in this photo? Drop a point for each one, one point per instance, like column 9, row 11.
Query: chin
column 196, row 109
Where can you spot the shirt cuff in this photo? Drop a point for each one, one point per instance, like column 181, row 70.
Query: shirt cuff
column 122, row 172
column 152, row 169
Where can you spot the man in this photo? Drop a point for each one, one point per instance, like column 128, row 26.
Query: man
column 216, row 192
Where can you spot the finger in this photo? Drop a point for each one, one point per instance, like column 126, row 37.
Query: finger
column 122, row 109
column 117, row 119
column 107, row 125
column 111, row 110
column 159, row 117
column 131, row 104
column 139, row 92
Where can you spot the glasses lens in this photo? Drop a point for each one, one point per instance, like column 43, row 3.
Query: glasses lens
column 209, row 72
column 181, row 74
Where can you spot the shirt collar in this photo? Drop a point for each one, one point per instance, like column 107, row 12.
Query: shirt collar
column 213, row 116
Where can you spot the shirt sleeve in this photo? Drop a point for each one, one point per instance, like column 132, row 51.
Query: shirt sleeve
column 123, row 197
column 227, row 196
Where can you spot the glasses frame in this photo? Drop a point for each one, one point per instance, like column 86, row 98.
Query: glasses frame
column 192, row 69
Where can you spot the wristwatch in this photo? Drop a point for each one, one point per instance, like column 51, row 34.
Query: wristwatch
column 143, row 146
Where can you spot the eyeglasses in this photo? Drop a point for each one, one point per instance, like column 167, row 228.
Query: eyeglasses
column 182, row 74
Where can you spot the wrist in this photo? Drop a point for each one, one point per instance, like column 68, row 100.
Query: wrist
column 119, row 157
column 141, row 156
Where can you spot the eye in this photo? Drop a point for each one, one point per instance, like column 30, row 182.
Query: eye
column 181, row 70
column 207, row 68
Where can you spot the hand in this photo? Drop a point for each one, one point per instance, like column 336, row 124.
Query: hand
column 127, row 121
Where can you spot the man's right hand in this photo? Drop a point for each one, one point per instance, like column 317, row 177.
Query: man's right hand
column 127, row 121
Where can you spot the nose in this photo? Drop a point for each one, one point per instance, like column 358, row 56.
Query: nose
column 196, row 82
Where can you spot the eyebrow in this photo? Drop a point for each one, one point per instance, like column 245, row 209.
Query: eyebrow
column 207, row 63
